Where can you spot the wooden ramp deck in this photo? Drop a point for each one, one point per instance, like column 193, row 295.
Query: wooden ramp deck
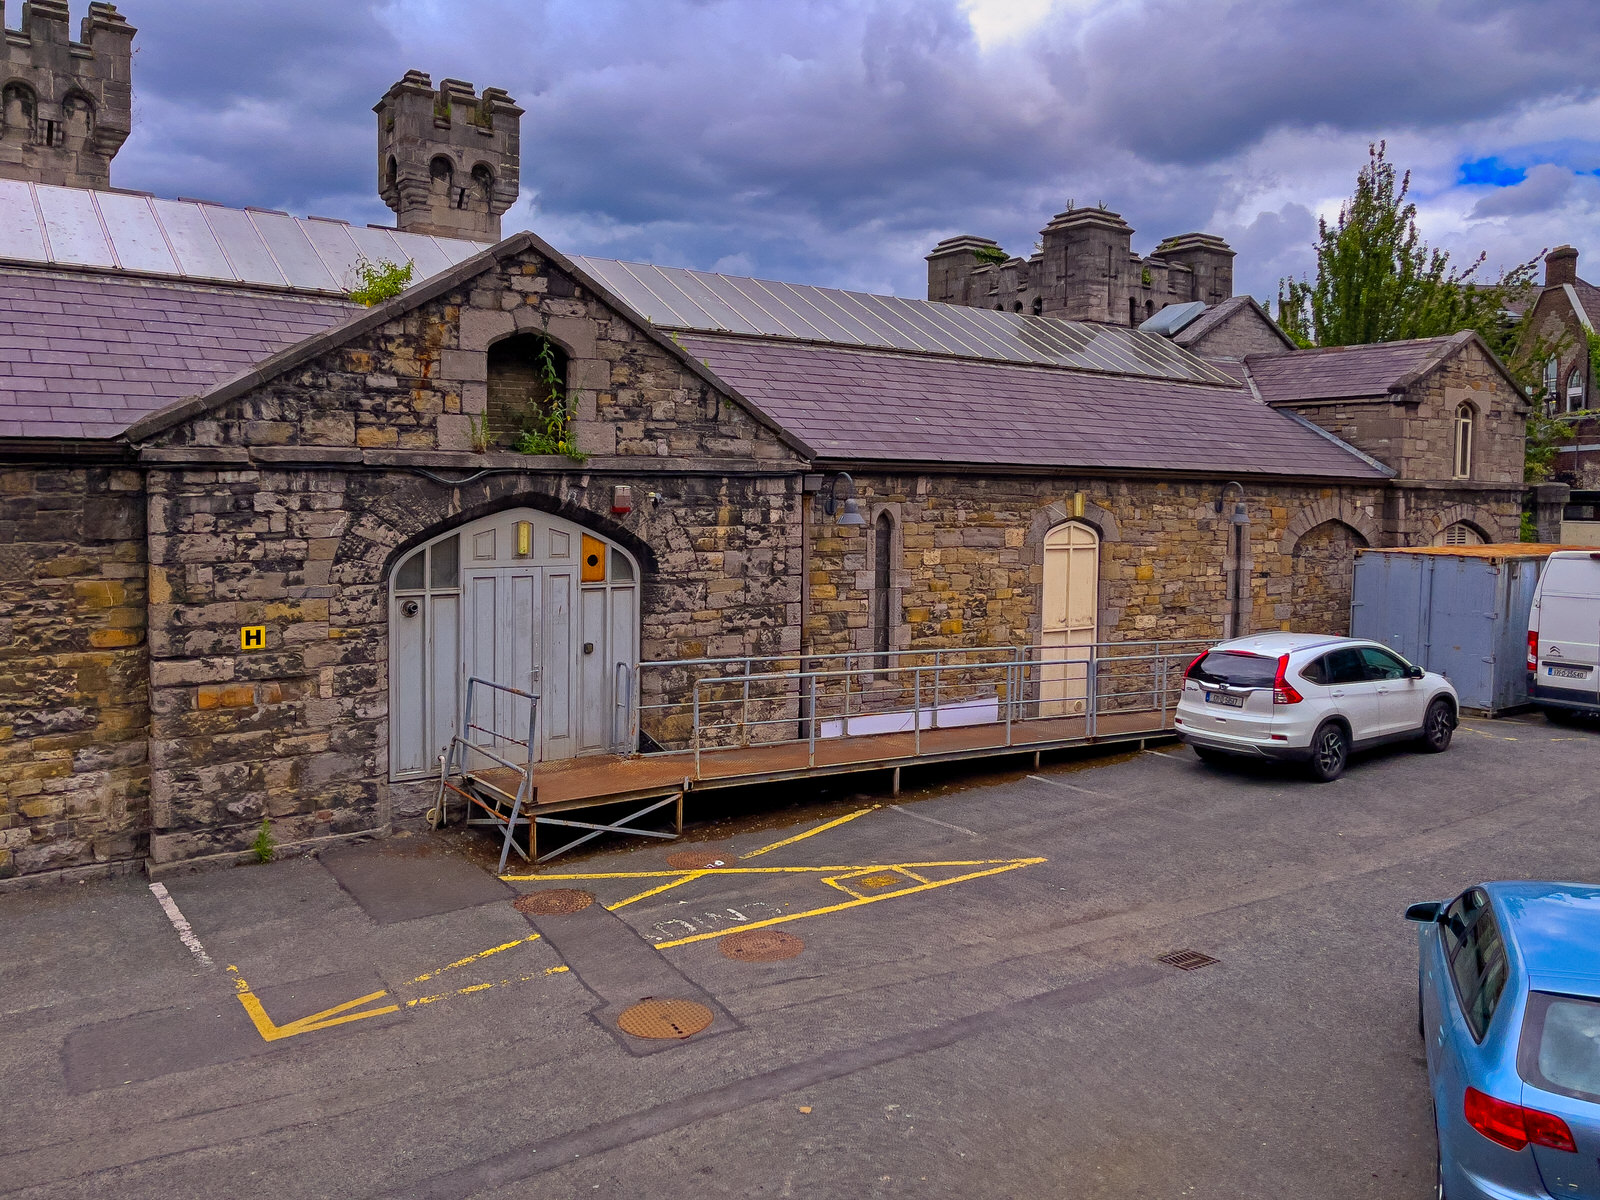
column 611, row 779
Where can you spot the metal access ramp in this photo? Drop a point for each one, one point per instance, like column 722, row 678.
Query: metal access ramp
column 500, row 799
column 500, row 791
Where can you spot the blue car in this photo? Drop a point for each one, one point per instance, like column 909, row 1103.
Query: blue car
column 1508, row 1002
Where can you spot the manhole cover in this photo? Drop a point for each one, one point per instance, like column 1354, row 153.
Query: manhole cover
column 1187, row 960
column 695, row 860
column 654, row 1017
column 761, row 945
column 887, row 879
column 550, row 902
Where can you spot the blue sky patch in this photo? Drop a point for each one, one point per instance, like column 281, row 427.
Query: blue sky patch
column 1493, row 171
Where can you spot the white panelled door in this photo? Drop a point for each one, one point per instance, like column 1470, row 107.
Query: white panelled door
column 1068, row 617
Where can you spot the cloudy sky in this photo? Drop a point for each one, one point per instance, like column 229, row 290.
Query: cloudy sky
column 834, row 141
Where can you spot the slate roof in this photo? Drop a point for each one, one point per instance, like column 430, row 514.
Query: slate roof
column 874, row 405
column 85, row 355
column 1219, row 314
column 1348, row 372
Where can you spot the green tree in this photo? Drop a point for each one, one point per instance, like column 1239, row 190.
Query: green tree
column 1378, row 281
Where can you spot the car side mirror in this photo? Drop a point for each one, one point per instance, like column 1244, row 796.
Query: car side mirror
column 1415, row 672
column 1427, row 912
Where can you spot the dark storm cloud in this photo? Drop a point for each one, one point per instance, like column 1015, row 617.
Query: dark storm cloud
column 832, row 141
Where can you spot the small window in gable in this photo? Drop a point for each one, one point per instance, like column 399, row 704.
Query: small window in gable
column 1575, row 391
column 527, row 377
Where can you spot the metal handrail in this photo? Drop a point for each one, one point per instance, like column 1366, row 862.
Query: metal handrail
column 1013, row 671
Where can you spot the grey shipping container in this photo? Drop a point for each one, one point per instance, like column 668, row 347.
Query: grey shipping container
column 1459, row 610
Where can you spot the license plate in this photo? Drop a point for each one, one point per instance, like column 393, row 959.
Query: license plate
column 1224, row 698
column 1568, row 672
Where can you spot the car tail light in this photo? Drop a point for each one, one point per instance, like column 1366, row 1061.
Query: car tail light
column 1188, row 672
column 1533, row 649
column 1282, row 693
column 1513, row 1126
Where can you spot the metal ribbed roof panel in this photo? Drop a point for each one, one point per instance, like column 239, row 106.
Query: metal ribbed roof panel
column 706, row 302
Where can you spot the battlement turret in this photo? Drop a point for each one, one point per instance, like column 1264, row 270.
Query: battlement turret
column 66, row 107
column 448, row 158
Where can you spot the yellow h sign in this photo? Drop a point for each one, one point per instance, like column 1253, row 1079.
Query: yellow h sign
column 252, row 637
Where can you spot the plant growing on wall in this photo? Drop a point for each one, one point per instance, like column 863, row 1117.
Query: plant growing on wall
column 989, row 254
column 378, row 281
column 265, row 846
column 547, row 423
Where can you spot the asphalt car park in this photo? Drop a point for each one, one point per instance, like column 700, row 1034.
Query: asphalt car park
column 976, row 988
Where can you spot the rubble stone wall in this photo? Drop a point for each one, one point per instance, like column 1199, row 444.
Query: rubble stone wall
column 73, row 777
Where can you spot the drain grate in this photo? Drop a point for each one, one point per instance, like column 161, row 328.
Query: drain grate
column 1187, row 960
column 656, row 1017
column 761, row 945
column 552, row 902
column 694, row 860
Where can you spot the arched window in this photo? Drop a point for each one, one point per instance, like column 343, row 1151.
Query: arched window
column 1463, row 449
column 1133, row 311
column 1551, row 370
column 391, row 172
column 442, row 179
column 1038, row 305
column 1575, row 390
column 1017, row 307
column 19, row 106
column 77, row 112
column 482, row 186
column 1459, row 534
column 882, row 591
column 527, row 377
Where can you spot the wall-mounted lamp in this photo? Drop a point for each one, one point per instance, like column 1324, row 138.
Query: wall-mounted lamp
column 1241, row 514
column 839, row 497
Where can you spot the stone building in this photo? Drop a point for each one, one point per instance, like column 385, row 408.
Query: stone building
column 1562, row 318
column 1083, row 270
column 253, row 536
column 65, row 107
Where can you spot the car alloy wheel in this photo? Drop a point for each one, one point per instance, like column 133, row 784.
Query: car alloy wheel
column 1438, row 726
column 1330, row 749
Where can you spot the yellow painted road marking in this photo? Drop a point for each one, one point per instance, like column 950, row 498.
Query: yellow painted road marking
column 836, row 867
column 472, row 958
column 800, row 837
column 474, row 988
column 833, row 908
column 655, row 891
column 339, row 1014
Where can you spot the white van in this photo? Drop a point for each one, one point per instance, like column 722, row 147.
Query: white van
column 1564, row 635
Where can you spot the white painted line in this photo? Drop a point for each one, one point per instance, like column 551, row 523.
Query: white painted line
column 1159, row 754
column 934, row 821
column 180, row 923
column 1075, row 788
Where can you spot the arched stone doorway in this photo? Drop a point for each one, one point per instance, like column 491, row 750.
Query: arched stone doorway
column 1323, row 563
column 522, row 598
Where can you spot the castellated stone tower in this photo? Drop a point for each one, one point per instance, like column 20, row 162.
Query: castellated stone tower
column 448, row 160
column 66, row 107
column 1084, row 270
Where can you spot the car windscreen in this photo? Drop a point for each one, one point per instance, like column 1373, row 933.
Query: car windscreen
column 1235, row 669
column 1560, row 1047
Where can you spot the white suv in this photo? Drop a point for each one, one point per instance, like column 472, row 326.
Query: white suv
column 1310, row 698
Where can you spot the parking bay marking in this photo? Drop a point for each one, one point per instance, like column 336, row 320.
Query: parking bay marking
column 988, row 867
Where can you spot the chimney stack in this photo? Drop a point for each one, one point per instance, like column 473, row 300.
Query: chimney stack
column 1561, row 266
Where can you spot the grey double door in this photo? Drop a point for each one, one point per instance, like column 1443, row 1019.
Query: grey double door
column 517, row 630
